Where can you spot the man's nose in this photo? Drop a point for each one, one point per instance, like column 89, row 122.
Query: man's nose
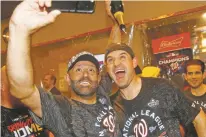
column 116, row 62
column 85, row 73
column 194, row 75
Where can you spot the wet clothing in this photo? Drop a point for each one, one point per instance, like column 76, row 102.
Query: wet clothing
column 70, row 118
column 156, row 111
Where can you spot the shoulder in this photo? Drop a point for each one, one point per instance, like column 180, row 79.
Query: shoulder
column 51, row 99
column 153, row 80
column 9, row 113
column 159, row 86
column 44, row 94
column 4, row 109
column 54, row 88
column 13, row 110
column 187, row 91
column 55, row 91
column 156, row 82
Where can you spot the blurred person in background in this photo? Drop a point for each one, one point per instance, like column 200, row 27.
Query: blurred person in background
column 49, row 82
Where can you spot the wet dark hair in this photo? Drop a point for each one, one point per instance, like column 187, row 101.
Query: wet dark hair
column 119, row 46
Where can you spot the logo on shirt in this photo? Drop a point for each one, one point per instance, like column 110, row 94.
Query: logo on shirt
column 25, row 128
column 106, row 120
column 143, row 124
column 153, row 103
column 103, row 101
column 198, row 104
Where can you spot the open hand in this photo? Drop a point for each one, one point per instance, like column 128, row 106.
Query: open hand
column 30, row 15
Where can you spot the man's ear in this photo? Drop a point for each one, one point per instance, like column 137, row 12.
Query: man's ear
column 67, row 78
column 134, row 60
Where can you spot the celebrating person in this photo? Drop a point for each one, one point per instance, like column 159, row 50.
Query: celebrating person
column 148, row 106
column 89, row 112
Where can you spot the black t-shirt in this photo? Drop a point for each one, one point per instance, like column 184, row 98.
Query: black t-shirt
column 18, row 123
column 157, row 110
column 195, row 102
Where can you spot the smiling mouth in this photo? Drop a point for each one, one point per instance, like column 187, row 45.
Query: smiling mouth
column 85, row 83
column 120, row 73
column 194, row 81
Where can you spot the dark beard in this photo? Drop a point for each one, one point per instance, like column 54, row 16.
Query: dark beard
column 78, row 92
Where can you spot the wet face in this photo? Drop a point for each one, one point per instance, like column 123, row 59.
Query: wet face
column 84, row 78
column 47, row 82
column 120, row 67
column 194, row 76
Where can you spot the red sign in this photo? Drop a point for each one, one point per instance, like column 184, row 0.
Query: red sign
column 171, row 43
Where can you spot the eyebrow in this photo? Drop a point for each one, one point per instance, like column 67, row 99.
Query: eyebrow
column 123, row 53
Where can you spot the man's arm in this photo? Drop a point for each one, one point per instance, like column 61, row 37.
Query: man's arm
column 200, row 124
column 188, row 114
column 29, row 16
column 115, row 37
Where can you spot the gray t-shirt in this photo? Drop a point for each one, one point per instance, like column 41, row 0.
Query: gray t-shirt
column 66, row 118
column 94, row 120
column 56, row 114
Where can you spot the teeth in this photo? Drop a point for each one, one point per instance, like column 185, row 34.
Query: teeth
column 84, row 83
column 119, row 70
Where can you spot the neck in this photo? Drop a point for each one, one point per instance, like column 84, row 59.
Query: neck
column 133, row 89
column 83, row 99
column 201, row 90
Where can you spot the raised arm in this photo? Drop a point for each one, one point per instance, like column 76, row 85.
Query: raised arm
column 29, row 16
column 200, row 124
column 115, row 35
